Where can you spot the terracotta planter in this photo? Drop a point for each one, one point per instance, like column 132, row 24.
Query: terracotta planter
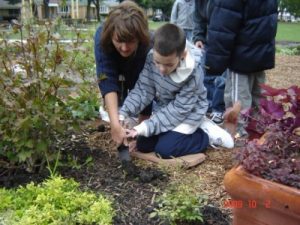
column 256, row 201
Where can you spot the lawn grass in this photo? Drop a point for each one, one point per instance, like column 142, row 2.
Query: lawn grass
column 288, row 32
column 285, row 31
column 154, row 25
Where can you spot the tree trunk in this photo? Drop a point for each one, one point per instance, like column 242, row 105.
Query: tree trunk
column 46, row 8
column 26, row 11
column 97, row 4
column 88, row 10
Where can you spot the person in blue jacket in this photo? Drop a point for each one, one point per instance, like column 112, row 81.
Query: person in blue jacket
column 241, row 37
column 121, row 47
column 214, row 83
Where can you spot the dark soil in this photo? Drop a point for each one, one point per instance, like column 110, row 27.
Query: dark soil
column 133, row 188
column 134, row 192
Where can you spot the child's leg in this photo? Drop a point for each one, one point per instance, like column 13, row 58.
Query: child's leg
column 238, row 88
column 209, row 84
column 188, row 34
column 259, row 78
column 217, row 103
column 218, row 94
column 175, row 144
column 227, row 91
column 146, row 144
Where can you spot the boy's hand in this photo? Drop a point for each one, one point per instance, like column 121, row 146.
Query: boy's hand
column 231, row 118
column 131, row 133
column 132, row 146
column 199, row 44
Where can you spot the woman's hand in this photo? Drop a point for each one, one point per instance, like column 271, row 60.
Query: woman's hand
column 118, row 133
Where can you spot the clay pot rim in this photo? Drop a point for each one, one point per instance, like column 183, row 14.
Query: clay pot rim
column 242, row 185
column 242, row 171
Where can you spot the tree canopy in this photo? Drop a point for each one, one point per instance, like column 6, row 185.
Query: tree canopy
column 291, row 6
column 13, row 2
column 164, row 5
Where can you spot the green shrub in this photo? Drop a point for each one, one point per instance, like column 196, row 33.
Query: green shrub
column 85, row 103
column 288, row 50
column 55, row 201
column 180, row 203
column 33, row 112
column 84, row 62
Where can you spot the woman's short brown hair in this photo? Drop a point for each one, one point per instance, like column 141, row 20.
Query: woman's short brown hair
column 129, row 22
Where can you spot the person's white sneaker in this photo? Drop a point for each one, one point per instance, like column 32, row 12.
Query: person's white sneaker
column 217, row 117
column 218, row 137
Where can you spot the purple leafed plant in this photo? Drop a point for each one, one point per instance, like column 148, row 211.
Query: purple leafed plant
column 277, row 123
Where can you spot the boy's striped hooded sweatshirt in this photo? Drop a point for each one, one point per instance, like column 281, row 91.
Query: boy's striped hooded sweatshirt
column 180, row 97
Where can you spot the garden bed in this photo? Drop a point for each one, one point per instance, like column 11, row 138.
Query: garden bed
column 134, row 194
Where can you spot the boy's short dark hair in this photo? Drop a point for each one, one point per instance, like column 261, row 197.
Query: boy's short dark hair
column 168, row 39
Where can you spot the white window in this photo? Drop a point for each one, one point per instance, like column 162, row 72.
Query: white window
column 64, row 9
column 103, row 9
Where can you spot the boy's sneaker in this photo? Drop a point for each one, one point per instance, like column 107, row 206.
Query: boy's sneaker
column 218, row 137
column 217, row 117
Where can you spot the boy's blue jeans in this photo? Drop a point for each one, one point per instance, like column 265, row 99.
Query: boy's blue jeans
column 174, row 144
column 188, row 34
column 215, row 86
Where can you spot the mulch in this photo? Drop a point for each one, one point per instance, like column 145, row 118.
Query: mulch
column 134, row 188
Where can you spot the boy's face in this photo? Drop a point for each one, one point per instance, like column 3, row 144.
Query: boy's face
column 125, row 49
column 166, row 64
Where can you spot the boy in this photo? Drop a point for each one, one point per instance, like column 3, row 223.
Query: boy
column 241, row 37
column 214, row 83
column 173, row 76
column 182, row 16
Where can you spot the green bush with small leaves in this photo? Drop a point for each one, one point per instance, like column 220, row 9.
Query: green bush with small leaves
column 55, row 201
column 288, row 50
column 85, row 104
column 179, row 203
column 36, row 75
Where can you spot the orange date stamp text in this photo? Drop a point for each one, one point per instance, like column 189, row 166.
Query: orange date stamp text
column 250, row 203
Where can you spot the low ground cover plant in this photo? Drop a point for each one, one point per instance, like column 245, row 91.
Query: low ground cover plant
column 55, row 201
column 276, row 155
column 180, row 203
column 288, row 50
